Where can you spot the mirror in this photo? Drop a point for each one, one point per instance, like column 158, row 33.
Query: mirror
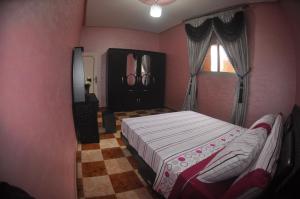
column 131, row 80
column 78, row 76
column 146, row 70
column 131, row 69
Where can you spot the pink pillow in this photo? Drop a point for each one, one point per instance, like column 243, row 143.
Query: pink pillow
column 254, row 180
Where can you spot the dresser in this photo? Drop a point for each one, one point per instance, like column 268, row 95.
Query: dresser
column 85, row 117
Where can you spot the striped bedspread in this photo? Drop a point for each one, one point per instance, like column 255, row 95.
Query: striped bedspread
column 172, row 142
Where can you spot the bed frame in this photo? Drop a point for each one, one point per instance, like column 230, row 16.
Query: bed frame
column 287, row 176
column 144, row 169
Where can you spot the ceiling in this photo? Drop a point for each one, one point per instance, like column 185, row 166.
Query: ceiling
column 134, row 14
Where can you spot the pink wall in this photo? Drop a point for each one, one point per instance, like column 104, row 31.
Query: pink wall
column 214, row 97
column 98, row 40
column 272, row 58
column 173, row 43
column 37, row 138
column 292, row 10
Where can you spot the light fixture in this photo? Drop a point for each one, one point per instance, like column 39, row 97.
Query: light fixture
column 155, row 10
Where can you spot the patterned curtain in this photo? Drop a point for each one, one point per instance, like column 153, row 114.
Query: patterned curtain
column 231, row 31
column 197, row 49
column 237, row 51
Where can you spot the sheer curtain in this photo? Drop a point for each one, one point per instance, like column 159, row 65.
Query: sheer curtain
column 197, row 49
column 236, row 47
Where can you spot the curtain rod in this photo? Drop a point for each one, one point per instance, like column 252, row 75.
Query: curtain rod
column 217, row 11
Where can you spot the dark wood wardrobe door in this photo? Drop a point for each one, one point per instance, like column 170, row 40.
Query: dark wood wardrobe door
column 146, row 99
column 116, row 70
column 158, row 79
column 130, row 100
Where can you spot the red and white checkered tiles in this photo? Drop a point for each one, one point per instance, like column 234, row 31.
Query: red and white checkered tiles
column 107, row 170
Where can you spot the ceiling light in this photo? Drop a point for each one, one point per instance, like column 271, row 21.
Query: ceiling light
column 155, row 10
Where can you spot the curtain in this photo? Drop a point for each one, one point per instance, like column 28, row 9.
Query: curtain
column 234, row 40
column 198, row 45
column 231, row 31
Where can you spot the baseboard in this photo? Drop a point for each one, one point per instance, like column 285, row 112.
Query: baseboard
column 172, row 109
column 105, row 108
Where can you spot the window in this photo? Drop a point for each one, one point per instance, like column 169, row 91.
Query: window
column 216, row 59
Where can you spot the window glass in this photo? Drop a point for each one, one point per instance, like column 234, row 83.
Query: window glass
column 216, row 59
column 225, row 64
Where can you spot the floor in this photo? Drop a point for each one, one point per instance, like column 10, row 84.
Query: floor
column 106, row 170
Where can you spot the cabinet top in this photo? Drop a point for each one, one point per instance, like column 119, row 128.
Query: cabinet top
column 133, row 51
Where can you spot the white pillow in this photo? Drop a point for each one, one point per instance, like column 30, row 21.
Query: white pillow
column 255, row 179
column 268, row 157
column 236, row 157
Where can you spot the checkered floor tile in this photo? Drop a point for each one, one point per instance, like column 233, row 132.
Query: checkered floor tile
column 106, row 170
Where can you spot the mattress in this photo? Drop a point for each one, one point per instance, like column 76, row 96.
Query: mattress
column 172, row 142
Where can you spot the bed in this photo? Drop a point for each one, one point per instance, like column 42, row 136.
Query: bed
column 173, row 147
column 170, row 143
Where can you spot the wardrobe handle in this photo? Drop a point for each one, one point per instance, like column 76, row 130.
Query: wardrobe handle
column 122, row 78
column 153, row 79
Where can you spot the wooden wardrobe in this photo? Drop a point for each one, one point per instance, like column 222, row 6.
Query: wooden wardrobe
column 135, row 79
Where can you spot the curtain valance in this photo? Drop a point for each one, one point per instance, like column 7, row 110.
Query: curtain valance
column 200, row 32
column 229, row 31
